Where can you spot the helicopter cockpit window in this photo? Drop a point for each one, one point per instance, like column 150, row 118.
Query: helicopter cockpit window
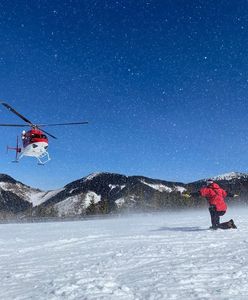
column 38, row 136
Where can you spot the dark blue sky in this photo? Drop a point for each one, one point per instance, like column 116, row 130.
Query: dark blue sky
column 164, row 85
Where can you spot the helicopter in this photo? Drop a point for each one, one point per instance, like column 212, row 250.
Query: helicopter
column 34, row 141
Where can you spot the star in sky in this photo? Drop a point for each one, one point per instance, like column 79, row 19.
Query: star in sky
column 162, row 83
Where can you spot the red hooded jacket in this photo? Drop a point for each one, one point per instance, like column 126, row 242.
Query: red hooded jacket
column 215, row 196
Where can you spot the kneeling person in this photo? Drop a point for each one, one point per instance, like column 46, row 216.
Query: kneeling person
column 217, row 205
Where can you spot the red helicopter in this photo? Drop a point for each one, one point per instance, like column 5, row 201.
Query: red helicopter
column 34, row 141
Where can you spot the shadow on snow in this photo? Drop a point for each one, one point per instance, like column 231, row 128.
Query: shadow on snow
column 184, row 229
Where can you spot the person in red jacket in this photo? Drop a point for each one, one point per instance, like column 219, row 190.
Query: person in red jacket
column 217, row 206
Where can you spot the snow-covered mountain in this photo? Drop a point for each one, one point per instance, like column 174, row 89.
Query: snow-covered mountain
column 106, row 192
column 234, row 182
column 13, row 196
column 230, row 176
column 32, row 195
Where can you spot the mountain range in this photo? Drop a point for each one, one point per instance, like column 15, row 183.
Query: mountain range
column 102, row 193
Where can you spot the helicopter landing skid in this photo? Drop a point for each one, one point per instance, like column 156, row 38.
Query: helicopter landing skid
column 43, row 158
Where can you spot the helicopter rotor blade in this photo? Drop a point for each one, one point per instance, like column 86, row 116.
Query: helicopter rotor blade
column 54, row 137
column 35, row 126
column 62, row 124
column 58, row 124
column 16, row 112
column 15, row 125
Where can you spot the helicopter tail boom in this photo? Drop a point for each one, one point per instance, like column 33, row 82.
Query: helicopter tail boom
column 17, row 149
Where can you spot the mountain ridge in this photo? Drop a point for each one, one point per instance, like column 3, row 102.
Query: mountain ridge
column 105, row 192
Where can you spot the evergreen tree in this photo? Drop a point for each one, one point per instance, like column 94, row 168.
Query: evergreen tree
column 91, row 209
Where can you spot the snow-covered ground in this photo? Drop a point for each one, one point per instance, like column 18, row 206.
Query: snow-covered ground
column 151, row 256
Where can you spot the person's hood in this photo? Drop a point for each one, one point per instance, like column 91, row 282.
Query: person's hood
column 214, row 186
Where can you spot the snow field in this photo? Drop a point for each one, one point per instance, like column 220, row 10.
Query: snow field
column 148, row 256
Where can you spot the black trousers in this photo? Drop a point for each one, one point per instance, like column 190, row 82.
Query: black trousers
column 215, row 216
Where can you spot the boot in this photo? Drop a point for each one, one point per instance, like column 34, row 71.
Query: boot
column 232, row 224
column 226, row 225
column 213, row 227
